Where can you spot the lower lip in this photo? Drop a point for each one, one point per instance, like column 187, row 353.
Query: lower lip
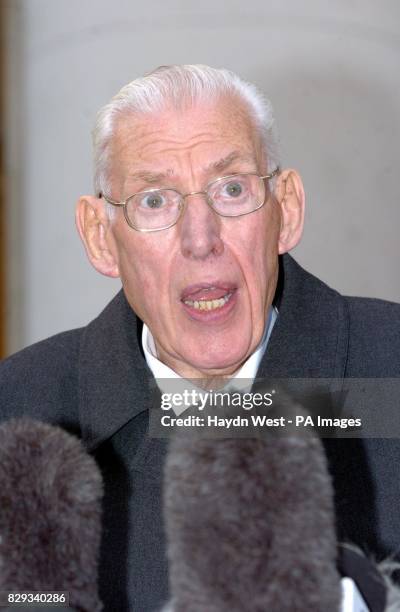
column 207, row 316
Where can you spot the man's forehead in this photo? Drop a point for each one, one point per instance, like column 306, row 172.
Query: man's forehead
column 226, row 118
column 217, row 137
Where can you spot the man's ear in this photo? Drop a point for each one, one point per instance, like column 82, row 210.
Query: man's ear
column 290, row 195
column 94, row 229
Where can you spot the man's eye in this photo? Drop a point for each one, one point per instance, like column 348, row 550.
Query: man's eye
column 153, row 201
column 233, row 189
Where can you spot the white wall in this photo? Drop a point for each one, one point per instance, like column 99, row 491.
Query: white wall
column 330, row 67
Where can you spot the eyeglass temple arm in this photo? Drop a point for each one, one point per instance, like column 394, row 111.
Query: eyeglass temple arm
column 109, row 200
column 272, row 174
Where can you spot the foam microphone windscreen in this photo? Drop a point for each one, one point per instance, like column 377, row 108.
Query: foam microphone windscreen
column 50, row 513
column 250, row 526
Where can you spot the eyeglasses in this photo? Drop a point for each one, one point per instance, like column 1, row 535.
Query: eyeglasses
column 235, row 195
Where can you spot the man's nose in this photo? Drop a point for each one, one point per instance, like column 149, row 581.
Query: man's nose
column 200, row 228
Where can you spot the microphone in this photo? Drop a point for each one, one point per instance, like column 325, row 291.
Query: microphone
column 250, row 525
column 50, row 514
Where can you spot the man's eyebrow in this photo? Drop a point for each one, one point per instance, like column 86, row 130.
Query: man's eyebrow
column 225, row 162
column 150, row 177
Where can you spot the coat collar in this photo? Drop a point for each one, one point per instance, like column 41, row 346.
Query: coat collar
column 309, row 339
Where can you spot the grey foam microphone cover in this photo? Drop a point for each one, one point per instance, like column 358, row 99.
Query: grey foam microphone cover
column 250, row 526
column 50, row 513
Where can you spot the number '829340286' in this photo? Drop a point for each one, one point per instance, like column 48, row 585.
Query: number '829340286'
column 29, row 598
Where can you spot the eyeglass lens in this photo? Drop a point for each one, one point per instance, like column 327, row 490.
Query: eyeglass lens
column 230, row 196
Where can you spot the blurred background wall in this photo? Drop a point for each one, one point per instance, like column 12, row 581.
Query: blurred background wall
column 330, row 67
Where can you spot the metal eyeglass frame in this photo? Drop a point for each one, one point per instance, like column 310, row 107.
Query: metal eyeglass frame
column 182, row 203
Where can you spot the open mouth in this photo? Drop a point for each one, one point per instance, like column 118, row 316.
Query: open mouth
column 209, row 304
column 206, row 298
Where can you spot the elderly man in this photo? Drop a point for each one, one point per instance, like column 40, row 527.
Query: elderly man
column 193, row 213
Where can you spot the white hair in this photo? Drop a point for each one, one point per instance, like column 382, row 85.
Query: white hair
column 178, row 86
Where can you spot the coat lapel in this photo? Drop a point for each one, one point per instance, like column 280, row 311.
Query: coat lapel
column 114, row 379
column 310, row 336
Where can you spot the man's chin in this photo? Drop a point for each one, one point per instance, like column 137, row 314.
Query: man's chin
column 205, row 357
column 217, row 365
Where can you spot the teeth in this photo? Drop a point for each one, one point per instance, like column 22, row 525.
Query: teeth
column 209, row 304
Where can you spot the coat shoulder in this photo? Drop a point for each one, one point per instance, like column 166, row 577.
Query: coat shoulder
column 42, row 380
column 374, row 337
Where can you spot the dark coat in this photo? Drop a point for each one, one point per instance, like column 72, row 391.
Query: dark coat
column 94, row 381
